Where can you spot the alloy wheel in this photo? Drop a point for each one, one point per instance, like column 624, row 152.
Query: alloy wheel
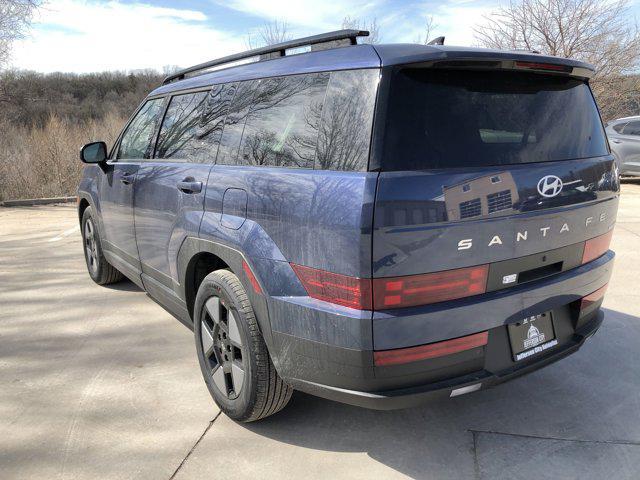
column 90, row 246
column 222, row 347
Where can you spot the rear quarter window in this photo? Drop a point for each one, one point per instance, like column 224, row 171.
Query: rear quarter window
column 345, row 130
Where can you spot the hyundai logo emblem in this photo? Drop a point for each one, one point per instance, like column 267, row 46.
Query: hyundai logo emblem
column 549, row 186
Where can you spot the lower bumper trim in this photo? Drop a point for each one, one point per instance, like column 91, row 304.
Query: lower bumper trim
column 414, row 396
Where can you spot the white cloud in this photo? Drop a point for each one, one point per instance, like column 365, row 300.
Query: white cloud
column 318, row 14
column 87, row 35
column 84, row 36
column 455, row 20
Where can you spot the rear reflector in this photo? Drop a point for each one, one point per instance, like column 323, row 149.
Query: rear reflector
column 331, row 287
column 468, row 389
column 399, row 292
column 596, row 247
column 593, row 297
column 544, row 66
column 252, row 278
column 433, row 350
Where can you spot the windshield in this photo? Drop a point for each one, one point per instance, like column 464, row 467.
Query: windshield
column 455, row 118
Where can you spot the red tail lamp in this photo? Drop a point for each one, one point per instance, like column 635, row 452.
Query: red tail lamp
column 596, row 247
column 433, row 350
column 392, row 292
column 398, row 292
column 335, row 288
column 593, row 297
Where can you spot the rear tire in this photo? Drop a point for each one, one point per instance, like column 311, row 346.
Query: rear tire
column 233, row 356
column 100, row 271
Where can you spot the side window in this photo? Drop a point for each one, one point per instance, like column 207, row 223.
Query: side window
column 282, row 124
column 234, row 122
column 631, row 128
column 136, row 140
column 618, row 128
column 178, row 137
column 211, row 123
column 347, row 119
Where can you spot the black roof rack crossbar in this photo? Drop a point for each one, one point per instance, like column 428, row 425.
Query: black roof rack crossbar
column 330, row 39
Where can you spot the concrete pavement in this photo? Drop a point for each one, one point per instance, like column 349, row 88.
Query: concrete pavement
column 102, row 382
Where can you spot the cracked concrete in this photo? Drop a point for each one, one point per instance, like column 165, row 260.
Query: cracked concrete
column 103, row 383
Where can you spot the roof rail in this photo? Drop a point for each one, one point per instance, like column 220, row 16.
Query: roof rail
column 322, row 41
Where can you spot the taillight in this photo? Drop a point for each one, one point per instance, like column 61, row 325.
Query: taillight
column 392, row 292
column 331, row 287
column 433, row 350
column 398, row 292
column 593, row 298
column 252, row 278
column 596, row 247
column 553, row 67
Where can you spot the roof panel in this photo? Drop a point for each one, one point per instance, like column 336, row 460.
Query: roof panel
column 343, row 58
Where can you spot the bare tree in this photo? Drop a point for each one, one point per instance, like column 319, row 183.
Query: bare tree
column 269, row 34
column 429, row 27
column 359, row 24
column 15, row 17
column 601, row 33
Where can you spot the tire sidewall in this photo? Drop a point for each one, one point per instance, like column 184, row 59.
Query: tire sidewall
column 239, row 408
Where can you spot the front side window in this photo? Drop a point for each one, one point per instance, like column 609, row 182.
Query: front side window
column 345, row 130
column 178, row 137
column 282, row 124
column 136, row 141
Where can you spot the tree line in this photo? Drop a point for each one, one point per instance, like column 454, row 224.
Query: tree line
column 29, row 99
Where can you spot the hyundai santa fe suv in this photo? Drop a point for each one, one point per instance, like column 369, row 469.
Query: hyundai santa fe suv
column 373, row 224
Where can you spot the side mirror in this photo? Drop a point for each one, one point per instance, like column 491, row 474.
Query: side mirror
column 94, row 152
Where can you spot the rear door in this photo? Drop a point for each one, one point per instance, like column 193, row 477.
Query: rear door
column 117, row 187
column 170, row 188
column 484, row 166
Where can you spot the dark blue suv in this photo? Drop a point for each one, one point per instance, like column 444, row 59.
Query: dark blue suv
column 372, row 224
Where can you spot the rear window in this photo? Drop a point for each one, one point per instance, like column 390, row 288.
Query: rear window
column 454, row 118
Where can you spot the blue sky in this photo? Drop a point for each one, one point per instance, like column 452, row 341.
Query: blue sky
column 88, row 36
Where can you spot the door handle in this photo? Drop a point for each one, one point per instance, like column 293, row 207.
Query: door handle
column 616, row 141
column 127, row 179
column 189, row 186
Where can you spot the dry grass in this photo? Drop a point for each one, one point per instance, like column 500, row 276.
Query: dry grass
column 44, row 162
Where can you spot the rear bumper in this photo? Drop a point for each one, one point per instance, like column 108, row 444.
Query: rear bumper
column 417, row 395
column 328, row 353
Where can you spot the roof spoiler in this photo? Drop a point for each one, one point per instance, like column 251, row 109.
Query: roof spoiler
column 540, row 66
column 323, row 41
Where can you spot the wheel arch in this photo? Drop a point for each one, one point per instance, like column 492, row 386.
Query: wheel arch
column 198, row 257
